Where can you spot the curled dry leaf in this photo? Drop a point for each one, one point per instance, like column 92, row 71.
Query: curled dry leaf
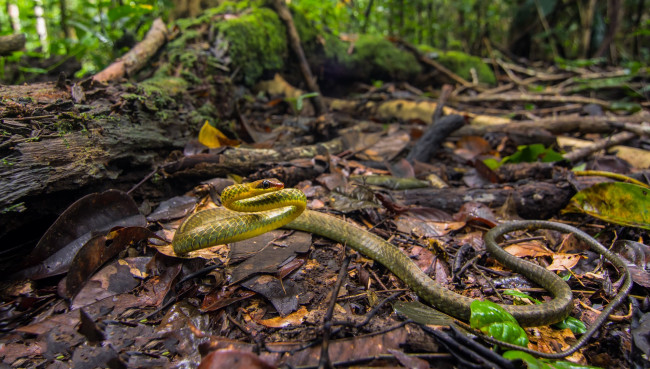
column 98, row 251
column 94, row 213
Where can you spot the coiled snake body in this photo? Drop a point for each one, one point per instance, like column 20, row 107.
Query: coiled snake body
column 217, row 226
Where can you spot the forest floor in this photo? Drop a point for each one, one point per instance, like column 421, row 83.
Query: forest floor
column 428, row 170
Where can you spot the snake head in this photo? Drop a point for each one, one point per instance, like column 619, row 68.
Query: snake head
column 272, row 184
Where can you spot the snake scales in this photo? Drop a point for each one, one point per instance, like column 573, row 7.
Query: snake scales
column 217, row 226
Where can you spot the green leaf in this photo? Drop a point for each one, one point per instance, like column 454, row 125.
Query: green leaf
column 492, row 163
column 629, row 107
column 575, row 325
column 534, row 363
column 533, row 153
column 530, row 360
column 615, row 202
column 496, row 322
column 521, row 295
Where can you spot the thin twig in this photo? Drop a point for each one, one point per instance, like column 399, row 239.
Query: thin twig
column 325, row 361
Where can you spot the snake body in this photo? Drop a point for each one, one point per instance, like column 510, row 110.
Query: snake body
column 217, row 226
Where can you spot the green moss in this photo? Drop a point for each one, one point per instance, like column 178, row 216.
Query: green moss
column 461, row 63
column 336, row 50
column 198, row 116
column 382, row 59
column 257, row 42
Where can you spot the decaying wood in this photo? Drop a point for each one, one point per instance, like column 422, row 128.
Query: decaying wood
column 244, row 161
column 562, row 124
column 138, row 56
column 601, row 144
column 533, row 200
column 434, row 137
column 11, row 43
column 524, row 97
column 294, row 40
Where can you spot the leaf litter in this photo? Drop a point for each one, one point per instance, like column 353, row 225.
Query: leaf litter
column 150, row 307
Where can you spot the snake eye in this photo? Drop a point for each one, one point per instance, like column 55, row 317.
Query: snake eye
column 266, row 184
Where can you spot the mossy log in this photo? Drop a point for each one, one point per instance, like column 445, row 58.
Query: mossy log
column 54, row 151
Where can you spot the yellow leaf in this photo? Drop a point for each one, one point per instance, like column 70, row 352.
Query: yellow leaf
column 213, row 138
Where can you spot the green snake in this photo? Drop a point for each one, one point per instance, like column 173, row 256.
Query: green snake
column 263, row 205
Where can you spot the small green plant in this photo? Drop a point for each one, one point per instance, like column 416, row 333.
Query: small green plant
column 17, row 208
column 297, row 102
column 527, row 154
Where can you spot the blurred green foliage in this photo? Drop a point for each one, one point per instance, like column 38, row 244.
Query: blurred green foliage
column 96, row 32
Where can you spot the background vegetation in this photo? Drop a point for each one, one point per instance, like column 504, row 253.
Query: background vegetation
column 95, row 32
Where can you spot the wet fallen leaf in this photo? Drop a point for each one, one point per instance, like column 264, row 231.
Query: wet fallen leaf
column 233, row 359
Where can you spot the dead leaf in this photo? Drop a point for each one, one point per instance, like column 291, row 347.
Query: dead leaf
column 287, row 321
column 564, row 262
column 111, row 280
column 174, row 208
column 222, row 298
column 233, row 359
column 413, row 225
column 267, row 253
column 93, row 213
column 528, row 249
column 469, row 147
column 282, row 294
column 386, row 148
column 98, row 251
column 550, row 340
column 213, row 138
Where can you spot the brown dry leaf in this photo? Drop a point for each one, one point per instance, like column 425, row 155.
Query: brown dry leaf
column 469, row 147
column 339, row 350
column 111, row 280
column 386, row 148
column 430, row 264
column 564, row 262
column 219, row 252
column 287, row 321
column 550, row 340
column 233, row 359
column 528, row 249
column 413, row 225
